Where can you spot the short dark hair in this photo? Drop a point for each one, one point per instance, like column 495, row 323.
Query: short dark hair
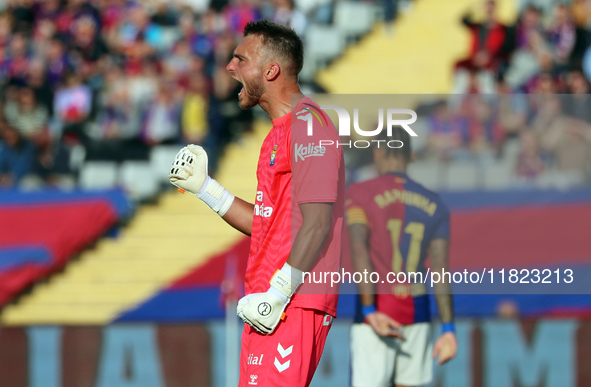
column 398, row 134
column 281, row 40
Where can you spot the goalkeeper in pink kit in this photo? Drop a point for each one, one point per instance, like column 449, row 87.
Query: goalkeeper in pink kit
column 296, row 220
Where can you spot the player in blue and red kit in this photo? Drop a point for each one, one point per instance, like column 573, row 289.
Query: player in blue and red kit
column 394, row 224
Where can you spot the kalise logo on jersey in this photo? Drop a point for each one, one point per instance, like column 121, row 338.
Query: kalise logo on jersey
column 261, row 209
column 302, row 151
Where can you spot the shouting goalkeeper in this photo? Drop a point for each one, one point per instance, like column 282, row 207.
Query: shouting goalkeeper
column 296, row 221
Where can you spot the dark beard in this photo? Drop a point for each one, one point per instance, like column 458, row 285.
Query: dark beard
column 251, row 94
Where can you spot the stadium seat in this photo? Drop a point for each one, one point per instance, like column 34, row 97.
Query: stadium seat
column 562, row 180
column 322, row 45
column 462, row 177
column 353, row 18
column 98, row 175
column 426, row 173
column 161, row 158
column 137, row 178
column 306, row 6
column 77, row 156
column 421, row 128
column 198, row 6
column 498, row 176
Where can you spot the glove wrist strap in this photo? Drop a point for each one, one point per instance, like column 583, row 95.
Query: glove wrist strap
column 287, row 280
column 215, row 196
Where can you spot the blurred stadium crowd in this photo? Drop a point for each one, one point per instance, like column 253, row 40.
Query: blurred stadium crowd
column 536, row 113
column 107, row 80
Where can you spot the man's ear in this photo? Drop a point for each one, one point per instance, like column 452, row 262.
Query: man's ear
column 412, row 157
column 272, row 72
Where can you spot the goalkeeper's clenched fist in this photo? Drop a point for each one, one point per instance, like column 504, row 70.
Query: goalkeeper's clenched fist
column 189, row 172
column 263, row 311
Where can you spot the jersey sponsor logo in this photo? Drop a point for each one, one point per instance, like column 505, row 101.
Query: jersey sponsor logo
column 302, row 151
column 253, row 380
column 255, row 360
column 261, row 209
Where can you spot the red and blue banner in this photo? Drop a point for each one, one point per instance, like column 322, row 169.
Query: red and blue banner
column 492, row 230
column 41, row 231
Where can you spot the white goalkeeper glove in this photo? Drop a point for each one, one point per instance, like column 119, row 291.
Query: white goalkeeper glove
column 189, row 173
column 263, row 311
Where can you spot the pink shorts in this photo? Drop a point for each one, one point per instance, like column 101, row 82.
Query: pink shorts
column 289, row 356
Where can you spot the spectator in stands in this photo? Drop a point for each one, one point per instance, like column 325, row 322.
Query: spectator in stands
column 194, row 120
column 41, row 36
column 514, row 109
column 178, row 62
column 286, row 14
column 238, row 13
column 22, row 12
column 447, row 133
column 5, row 29
column 524, row 62
column 578, row 103
column 560, row 35
column 72, row 106
column 17, row 61
column 31, row 121
column 28, row 118
column 58, row 62
column 47, row 10
column 17, row 156
column 118, row 118
column 137, row 37
column 543, row 83
column 87, row 43
column 106, row 76
column 37, row 80
column 112, row 13
column 161, row 117
column 142, row 84
column 485, row 133
column 487, row 40
column 529, row 162
column 567, row 140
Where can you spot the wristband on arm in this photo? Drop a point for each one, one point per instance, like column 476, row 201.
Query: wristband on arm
column 448, row 327
column 215, row 196
column 368, row 309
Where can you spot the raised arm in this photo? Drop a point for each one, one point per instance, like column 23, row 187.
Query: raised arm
column 189, row 173
column 240, row 216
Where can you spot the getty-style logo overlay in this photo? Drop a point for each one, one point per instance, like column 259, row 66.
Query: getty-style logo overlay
column 311, row 113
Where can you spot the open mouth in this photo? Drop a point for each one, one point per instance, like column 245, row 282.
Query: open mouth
column 240, row 92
